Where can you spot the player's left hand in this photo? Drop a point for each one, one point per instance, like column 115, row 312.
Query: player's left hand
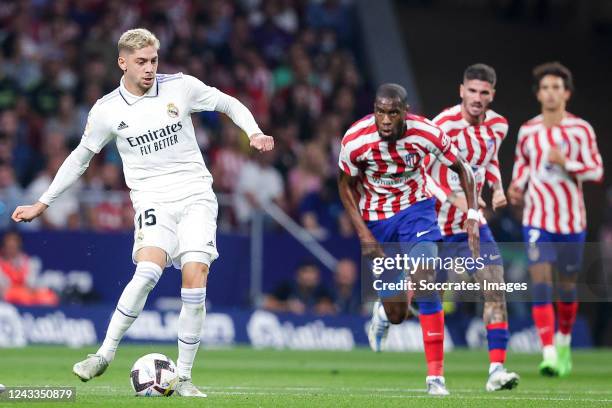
column 473, row 232
column 556, row 157
column 499, row 199
column 262, row 143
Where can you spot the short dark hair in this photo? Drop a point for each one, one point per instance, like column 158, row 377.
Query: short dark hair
column 307, row 263
column 392, row 91
column 481, row 72
column 556, row 69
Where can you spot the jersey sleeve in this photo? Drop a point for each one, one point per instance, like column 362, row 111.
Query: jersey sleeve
column 588, row 166
column 68, row 173
column 436, row 189
column 441, row 147
column 347, row 162
column 240, row 114
column 97, row 132
column 520, row 172
column 493, row 174
column 201, row 97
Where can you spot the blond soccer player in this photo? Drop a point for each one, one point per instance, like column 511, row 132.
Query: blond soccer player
column 148, row 117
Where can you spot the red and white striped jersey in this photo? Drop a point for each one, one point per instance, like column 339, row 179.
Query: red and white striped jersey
column 479, row 146
column 392, row 173
column 554, row 200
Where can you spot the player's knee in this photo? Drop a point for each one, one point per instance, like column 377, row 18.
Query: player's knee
column 496, row 273
column 566, row 283
column 195, row 275
column 147, row 274
column 541, row 272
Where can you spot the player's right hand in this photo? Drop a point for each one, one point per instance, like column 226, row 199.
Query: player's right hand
column 499, row 199
column 515, row 195
column 261, row 142
column 26, row 213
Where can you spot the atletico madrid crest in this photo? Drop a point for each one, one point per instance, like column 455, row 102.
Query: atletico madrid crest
column 411, row 159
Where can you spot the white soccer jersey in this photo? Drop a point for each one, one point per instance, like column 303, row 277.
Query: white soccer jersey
column 155, row 137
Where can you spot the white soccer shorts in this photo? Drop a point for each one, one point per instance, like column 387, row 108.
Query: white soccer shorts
column 185, row 230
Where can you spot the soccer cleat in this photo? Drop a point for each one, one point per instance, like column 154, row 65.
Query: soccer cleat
column 93, row 366
column 564, row 360
column 379, row 328
column 185, row 388
column 549, row 367
column 500, row 379
column 436, row 386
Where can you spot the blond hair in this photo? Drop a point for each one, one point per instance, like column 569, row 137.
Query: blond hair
column 136, row 39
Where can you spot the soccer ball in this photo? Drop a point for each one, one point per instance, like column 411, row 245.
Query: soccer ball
column 153, row 375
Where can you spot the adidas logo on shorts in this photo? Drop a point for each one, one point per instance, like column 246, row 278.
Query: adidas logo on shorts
column 122, row 126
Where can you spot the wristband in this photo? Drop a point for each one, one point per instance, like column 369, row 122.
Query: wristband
column 473, row 214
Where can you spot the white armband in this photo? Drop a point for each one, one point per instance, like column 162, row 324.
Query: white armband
column 473, row 215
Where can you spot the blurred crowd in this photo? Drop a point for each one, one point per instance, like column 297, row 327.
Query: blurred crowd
column 307, row 292
column 294, row 63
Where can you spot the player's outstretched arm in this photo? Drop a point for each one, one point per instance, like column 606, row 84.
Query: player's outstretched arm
column 468, row 184
column 346, row 185
column 69, row 172
column 243, row 118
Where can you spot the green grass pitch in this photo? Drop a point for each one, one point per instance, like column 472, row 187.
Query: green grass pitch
column 242, row 377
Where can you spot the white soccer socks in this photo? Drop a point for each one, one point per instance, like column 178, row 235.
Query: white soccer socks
column 130, row 305
column 190, row 324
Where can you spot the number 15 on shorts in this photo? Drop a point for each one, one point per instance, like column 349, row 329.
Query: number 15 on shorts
column 149, row 218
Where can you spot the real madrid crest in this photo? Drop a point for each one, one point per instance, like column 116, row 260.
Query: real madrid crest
column 172, row 110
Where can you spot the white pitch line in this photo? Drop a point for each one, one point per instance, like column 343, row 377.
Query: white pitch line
column 466, row 390
column 307, row 391
column 211, row 393
column 386, row 389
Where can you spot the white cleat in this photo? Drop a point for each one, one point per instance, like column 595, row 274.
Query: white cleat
column 436, row 386
column 500, row 379
column 379, row 328
column 93, row 366
column 185, row 388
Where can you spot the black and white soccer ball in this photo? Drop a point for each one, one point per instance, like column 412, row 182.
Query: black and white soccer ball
column 154, row 375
